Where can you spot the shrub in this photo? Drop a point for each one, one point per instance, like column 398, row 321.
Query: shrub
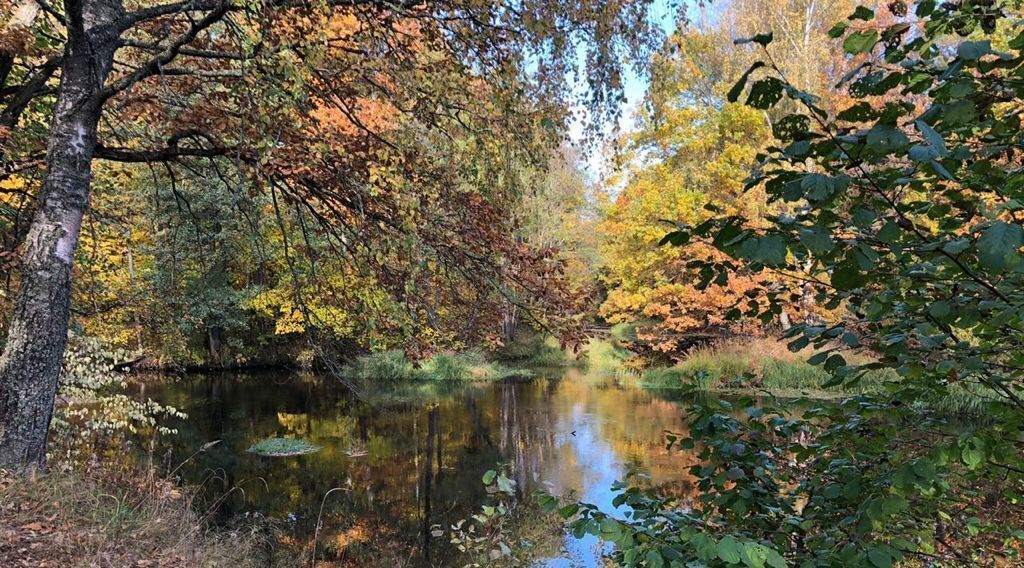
column 92, row 413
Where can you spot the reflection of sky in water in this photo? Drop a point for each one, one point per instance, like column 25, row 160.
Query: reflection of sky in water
column 599, row 467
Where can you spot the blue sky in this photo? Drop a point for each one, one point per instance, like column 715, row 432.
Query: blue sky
column 665, row 15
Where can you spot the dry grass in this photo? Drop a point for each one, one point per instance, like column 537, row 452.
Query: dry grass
column 116, row 520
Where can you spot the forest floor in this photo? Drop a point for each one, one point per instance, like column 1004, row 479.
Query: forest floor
column 104, row 519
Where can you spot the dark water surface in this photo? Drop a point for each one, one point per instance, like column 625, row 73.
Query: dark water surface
column 406, row 457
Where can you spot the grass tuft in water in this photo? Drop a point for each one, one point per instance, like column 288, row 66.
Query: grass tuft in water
column 467, row 366
column 283, row 447
column 394, row 366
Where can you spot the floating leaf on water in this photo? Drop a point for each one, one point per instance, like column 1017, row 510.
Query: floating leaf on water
column 283, row 447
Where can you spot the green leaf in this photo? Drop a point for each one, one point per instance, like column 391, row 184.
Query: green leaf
column 933, row 138
column 729, row 550
column 924, row 469
column 754, row 555
column 959, row 113
column 974, row 50
column 837, row 30
column 676, row 238
column 775, row 560
column 489, row 476
column 922, row 153
column 760, row 39
column 506, row 485
column 847, row 277
column 707, row 549
column 547, row 503
column 816, row 239
column 737, row 89
column 862, row 13
column 859, row 112
column 879, row 558
column 770, row 250
column 939, row 310
column 765, row 93
column 999, row 244
column 886, row 138
column 889, row 232
column 860, row 42
column 941, row 170
column 973, row 453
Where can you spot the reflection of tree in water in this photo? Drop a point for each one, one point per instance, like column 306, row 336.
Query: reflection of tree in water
column 423, row 449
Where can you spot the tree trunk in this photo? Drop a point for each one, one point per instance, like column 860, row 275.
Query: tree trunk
column 31, row 362
column 509, row 323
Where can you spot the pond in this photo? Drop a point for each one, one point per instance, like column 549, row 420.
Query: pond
column 402, row 458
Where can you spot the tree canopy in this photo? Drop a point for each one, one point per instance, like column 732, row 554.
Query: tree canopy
column 387, row 142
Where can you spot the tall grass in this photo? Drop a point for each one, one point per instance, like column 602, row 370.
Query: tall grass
column 382, row 366
column 394, row 366
column 768, row 364
column 758, row 363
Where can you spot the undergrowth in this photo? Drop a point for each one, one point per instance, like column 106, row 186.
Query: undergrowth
column 116, row 519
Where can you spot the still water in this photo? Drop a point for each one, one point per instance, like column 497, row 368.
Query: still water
column 405, row 458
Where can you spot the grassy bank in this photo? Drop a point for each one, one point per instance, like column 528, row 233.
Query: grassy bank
column 755, row 363
column 105, row 519
column 464, row 366
column 766, row 364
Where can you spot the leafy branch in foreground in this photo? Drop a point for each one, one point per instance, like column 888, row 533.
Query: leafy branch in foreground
column 907, row 223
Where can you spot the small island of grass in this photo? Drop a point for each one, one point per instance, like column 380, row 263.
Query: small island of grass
column 283, row 447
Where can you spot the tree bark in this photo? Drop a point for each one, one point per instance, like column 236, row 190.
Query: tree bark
column 31, row 362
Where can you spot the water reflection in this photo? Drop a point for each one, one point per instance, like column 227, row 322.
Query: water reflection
column 403, row 458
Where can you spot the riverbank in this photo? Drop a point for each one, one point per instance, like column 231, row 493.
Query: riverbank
column 116, row 519
column 765, row 365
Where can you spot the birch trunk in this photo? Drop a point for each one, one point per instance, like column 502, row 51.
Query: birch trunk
column 31, row 362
